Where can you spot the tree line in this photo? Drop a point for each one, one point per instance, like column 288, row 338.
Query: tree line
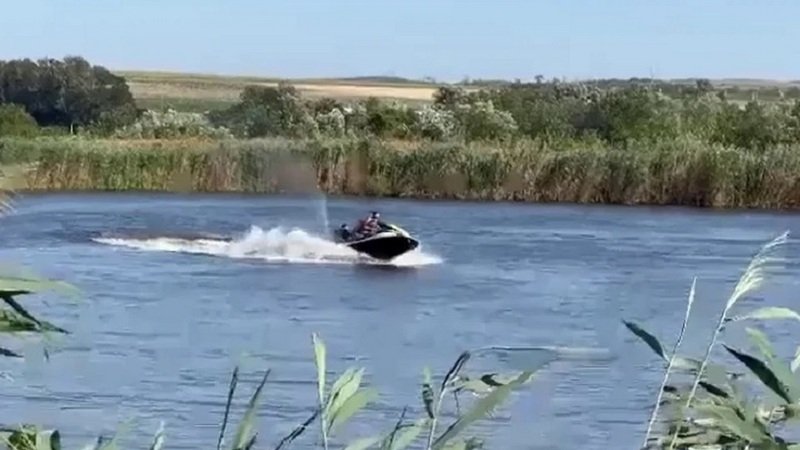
column 65, row 93
column 71, row 93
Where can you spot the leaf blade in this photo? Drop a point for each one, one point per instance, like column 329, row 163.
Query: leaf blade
column 341, row 393
column 244, row 433
column 363, row 443
column 479, row 410
column 351, row 406
column 769, row 313
column 762, row 371
column 319, row 361
column 648, row 339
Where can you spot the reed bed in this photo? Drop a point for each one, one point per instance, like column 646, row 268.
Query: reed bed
column 676, row 172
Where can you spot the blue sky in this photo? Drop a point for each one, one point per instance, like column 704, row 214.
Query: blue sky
column 446, row 39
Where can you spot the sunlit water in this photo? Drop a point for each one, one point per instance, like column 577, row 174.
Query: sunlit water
column 180, row 289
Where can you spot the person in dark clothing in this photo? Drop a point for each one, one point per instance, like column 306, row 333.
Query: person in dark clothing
column 344, row 232
column 370, row 225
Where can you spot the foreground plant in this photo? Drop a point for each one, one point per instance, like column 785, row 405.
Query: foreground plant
column 343, row 399
column 709, row 406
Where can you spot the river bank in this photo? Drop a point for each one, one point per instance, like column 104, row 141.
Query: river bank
column 682, row 172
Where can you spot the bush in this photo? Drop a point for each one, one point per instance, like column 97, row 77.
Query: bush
column 481, row 121
column 331, row 123
column 14, row 121
column 267, row 111
column 66, row 93
column 435, row 123
column 171, row 124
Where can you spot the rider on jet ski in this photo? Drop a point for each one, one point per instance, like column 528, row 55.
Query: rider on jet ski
column 370, row 225
column 364, row 228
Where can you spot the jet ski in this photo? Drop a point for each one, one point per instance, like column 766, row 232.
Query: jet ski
column 388, row 243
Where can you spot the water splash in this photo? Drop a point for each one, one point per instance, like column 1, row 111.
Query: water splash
column 323, row 213
column 274, row 245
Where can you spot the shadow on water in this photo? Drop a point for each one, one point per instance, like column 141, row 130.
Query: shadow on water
column 372, row 267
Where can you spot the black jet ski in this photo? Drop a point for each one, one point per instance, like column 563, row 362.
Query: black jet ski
column 388, row 243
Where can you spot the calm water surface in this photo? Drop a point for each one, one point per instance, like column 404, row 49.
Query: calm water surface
column 169, row 309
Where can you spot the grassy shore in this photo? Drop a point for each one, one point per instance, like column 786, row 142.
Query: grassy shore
column 679, row 172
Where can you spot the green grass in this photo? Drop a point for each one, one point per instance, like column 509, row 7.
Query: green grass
column 679, row 172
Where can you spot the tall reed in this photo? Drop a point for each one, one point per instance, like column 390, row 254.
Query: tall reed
column 722, row 414
column 675, row 172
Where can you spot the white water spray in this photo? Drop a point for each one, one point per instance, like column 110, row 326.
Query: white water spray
column 274, row 245
column 323, row 214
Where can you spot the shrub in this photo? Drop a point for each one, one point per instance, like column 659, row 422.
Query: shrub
column 171, row 124
column 14, row 121
column 435, row 123
column 70, row 92
column 481, row 121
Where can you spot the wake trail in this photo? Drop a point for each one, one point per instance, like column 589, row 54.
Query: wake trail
column 273, row 245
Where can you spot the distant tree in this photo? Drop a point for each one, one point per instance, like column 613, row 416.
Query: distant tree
column 14, row 121
column 267, row 111
column 68, row 93
column 384, row 119
column 482, row 121
column 703, row 86
column 448, row 97
column 757, row 126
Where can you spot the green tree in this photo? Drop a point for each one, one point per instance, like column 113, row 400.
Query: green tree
column 14, row 121
column 68, row 93
column 267, row 111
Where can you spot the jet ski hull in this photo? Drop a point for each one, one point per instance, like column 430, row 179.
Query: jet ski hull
column 387, row 244
column 384, row 247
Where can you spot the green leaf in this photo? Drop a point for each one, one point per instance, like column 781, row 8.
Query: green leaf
column 782, row 372
column 158, row 438
column 733, row 422
column 796, row 360
column 427, row 392
column 297, row 431
column 354, row 403
column 762, row 342
column 342, row 390
column 470, row 444
column 759, row 369
column 769, row 313
column 337, row 385
column 456, row 445
column 485, row 383
column 42, row 325
column 454, row 370
column 756, row 272
column 12, row 322
column 407, row 434
column 363, row 443
column 14, row 282
column 121, row 431
column 319, row 361
column 714, row 390
column 648, row 339
column 480, row 410
column 228, row 402
column 244, row 434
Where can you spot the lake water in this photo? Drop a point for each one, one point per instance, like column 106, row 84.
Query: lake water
column 169, row 309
